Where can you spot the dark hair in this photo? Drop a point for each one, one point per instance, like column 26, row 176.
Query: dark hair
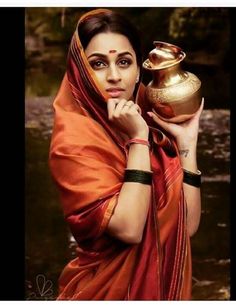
column 110, row 21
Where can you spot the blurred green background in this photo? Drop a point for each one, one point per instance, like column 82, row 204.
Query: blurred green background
column 204, row 34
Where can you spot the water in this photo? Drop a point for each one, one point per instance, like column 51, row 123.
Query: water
column 48, row 244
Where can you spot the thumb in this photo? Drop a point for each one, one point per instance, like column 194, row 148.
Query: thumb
column 111, row 105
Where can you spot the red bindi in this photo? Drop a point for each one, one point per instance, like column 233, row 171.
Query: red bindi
column 112, row 51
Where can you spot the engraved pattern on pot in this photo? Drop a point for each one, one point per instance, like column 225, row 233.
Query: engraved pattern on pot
column 171, row 88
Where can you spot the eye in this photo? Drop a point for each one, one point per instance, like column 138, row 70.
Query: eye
column 97, row 64
column 125, row 62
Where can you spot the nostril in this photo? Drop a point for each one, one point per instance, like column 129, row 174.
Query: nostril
column 113, row 75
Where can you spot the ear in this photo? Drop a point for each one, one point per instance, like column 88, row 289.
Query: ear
column 138, row 75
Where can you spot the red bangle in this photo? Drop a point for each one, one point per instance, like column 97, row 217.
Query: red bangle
column 137, row 141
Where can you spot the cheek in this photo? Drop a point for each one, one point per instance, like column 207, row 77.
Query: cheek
column 131, row 81
column 132, row 76
column 130, row 85
column 100, row 77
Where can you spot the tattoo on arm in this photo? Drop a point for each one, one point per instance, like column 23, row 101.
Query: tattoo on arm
column 184, row 152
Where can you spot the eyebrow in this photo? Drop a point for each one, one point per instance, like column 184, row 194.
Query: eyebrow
column 105, row 56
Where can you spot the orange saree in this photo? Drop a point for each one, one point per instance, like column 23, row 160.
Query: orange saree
column 87, row 160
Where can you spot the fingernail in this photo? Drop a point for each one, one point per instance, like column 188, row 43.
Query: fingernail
column 150, row 114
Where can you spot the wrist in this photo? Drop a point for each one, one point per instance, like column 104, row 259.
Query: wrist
column 144, row 134
column 188, row 158
column 187, row 150
column 189, row 164
column 137, row 141
column 187, row 153
column 185, row 144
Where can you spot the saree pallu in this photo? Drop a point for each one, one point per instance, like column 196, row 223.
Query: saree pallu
column 87, row 160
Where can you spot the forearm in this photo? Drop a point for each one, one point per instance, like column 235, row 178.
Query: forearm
column 192, row 194
column 186, row 135
column 128, row 220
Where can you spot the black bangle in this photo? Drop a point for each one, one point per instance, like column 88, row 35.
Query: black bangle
column 140, row 176
column 191, row 178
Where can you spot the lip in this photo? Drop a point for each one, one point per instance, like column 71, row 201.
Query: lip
column 115, row 92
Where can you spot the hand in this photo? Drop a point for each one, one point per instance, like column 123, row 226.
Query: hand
column 126, row 115
column 185, row 133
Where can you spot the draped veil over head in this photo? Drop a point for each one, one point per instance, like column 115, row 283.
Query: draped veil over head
column 87, row 160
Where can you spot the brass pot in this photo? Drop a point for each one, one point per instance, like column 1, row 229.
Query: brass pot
column 174, row 94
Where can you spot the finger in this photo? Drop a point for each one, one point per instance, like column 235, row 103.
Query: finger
column 139, row 110
column 159, row 121
column 130, row 103
column 135, row 108
column 199, row 111
column 126, row 107
column 119, row 108
column 201, row 106
column 111, row 105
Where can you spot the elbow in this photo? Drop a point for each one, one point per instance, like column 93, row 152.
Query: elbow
column 132, row 238
column 191, row 233
column 130, row 232
column 193, row 222
column 127, row 235
column 192, row 229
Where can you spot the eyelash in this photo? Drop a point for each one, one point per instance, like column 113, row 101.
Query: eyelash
column 128, row 61
column 96, row 64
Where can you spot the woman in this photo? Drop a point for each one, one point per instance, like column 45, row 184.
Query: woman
column 120, row 176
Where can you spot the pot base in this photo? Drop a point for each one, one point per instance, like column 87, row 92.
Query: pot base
column 177, row 119
column 178, row 111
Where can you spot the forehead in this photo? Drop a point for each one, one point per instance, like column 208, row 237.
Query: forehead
column 105, row 42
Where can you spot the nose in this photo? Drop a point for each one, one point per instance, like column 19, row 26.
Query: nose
column 113, row 74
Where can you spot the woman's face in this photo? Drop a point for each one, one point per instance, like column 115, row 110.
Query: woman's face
column 113, row 60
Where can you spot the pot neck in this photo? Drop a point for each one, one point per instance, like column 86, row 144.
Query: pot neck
column 168, row 76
